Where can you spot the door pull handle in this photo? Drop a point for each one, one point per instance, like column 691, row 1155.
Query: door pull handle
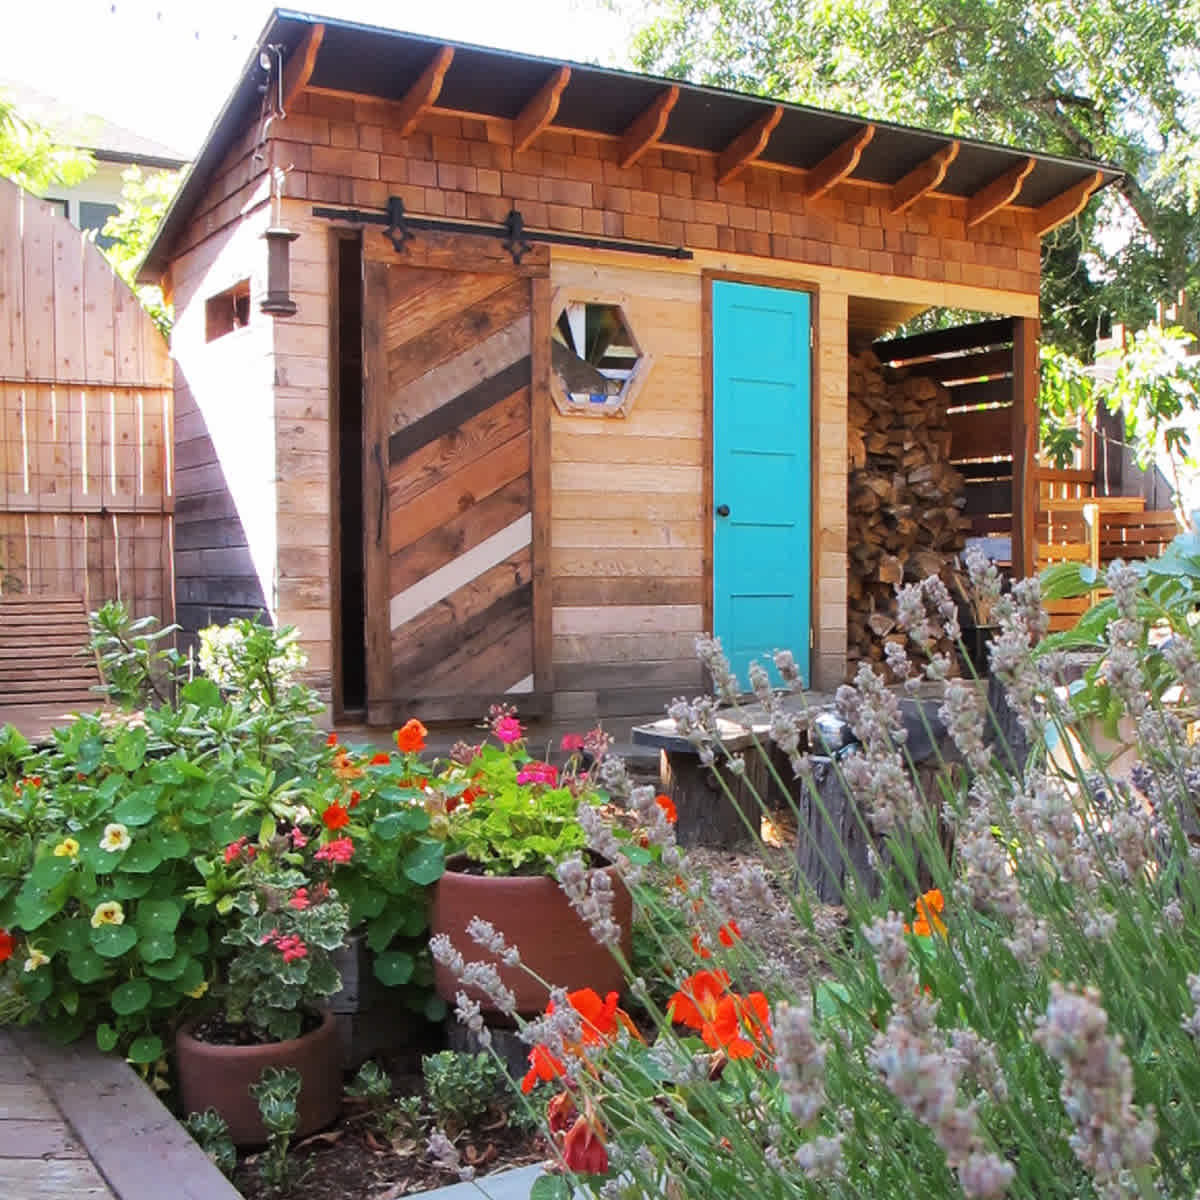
column 382, row 494
column 722, row 510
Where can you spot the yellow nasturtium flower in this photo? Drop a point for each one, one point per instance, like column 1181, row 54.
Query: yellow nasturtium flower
column 199, row 989
column 67, row 848
column 109, row 912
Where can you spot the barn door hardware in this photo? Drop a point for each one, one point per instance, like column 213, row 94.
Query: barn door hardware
column 382, row 494
column 397, row 231
column 401, row 227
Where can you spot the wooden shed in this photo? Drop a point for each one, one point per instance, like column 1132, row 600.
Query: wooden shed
column 566, row 383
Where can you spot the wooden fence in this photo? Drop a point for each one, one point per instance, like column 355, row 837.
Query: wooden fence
column 85, row 421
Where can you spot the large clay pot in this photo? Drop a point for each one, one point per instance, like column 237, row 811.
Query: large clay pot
column 533, row 914
column 214, row 1076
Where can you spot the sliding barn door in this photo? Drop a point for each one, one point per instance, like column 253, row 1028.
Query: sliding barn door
column 449, row 489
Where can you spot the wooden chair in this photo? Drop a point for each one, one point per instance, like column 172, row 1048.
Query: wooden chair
column 45, row 672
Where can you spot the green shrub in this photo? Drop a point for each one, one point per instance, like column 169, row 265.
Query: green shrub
column 461, row 1088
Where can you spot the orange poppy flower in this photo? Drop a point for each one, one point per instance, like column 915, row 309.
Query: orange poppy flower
column 410, row 737
column 543, row 1066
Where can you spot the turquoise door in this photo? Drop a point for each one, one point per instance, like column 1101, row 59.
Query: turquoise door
column 762, row 483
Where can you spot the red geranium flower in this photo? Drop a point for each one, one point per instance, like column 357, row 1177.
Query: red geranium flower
column 410, row 737
column 381, row 759
column 340, row 850
column 335, row 816
column 7, row 942
column 331, row 740
column 355, row 797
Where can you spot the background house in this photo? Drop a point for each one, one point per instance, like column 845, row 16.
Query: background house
column 89, row 204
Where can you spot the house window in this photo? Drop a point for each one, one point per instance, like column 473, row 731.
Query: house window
column 61, row 205
column 227, row 311
column 94, row 216
column 595, row 357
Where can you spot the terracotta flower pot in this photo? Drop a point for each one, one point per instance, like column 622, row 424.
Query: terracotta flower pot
column 533, row 914
column 214, row 1076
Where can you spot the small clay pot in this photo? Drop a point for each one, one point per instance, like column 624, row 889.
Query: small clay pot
column 215, row 1076
column 533, row 914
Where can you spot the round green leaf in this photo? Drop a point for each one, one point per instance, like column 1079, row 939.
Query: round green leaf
column 49, row 870
column 436, row 1008
column 114, row 940
column 131, row 997
column 174, row 845
column 106, row 1038
column 157, row 947
column 142, row 857
column 140, row 807
column 160, row 916
column 131, row 887
column 86, row 966
column 192, row 977
column 34, row 907
column 406, row 820
column 426, row 863
column 393, row 968
column 171, row 968
column 146, row 1050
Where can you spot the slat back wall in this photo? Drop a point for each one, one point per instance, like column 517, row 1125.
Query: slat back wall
column 85, row 421
column 975, row 362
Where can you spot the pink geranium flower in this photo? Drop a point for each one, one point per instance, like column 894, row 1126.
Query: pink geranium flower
column 572, row 743
column 508, row 730
column 340, row 850
column 538, row 772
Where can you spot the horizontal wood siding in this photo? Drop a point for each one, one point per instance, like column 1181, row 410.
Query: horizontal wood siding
column 627, row 536
column 85, row 421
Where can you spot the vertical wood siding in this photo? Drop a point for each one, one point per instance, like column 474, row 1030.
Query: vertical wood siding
column 85, row 421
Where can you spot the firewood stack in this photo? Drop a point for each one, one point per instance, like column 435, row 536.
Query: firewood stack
column 905, row 498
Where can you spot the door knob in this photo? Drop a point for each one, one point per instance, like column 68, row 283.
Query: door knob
column 722, row 510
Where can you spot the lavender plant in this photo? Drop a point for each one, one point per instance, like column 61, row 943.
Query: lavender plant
column 1027, row 1026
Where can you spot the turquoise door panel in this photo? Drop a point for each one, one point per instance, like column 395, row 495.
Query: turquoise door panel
column 762, row 473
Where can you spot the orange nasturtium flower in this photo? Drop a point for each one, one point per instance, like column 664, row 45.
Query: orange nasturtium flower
column 727, row 935
column 335, row 816
column 742, row 1027
column 927, row 920
column 601, row 1020
column 668, row 806
column 344, row 768
column 583, row 1147
column 410, row 737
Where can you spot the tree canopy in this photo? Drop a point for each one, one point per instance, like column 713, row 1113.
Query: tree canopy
column 1115, row 80
column 31, row 157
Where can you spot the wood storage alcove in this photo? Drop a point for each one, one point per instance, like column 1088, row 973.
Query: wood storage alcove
column 455, row 362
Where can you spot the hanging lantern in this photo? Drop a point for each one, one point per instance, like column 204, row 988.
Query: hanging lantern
column 278, row 300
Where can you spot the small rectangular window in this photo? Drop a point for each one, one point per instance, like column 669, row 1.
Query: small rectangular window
column 61, row 205
column 94, row 216
column 227, row 311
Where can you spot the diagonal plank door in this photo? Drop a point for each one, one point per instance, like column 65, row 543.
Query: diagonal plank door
column 449, row 458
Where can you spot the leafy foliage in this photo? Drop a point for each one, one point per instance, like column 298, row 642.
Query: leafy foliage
column 144, row 200
column 278, row 1093
column 211, row 1133
column 30, row 156
column 1104, row 79
column 461, row 1087
column 136, row 665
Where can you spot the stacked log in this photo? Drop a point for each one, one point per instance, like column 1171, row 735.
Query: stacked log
column 905, row 499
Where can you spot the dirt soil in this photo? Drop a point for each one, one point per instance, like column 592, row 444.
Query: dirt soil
column 355, row 1161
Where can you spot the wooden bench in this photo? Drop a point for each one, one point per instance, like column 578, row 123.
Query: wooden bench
column 46, row 672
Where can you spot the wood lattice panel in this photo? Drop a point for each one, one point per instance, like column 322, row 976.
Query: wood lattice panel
column 458, row 506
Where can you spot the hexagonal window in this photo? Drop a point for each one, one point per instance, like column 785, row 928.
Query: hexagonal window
column 597, row 363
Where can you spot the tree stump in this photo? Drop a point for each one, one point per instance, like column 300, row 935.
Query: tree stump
column 706, row 815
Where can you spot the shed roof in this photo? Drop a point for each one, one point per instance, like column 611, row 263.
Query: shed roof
column 386, row 64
